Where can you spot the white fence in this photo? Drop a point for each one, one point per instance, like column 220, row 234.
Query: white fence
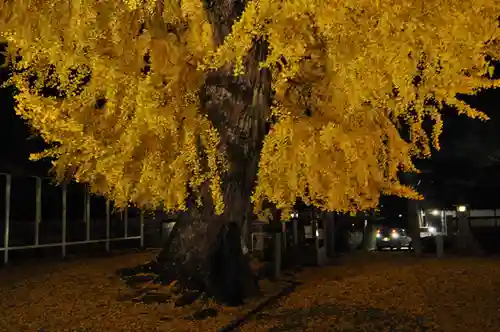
column 6, row 248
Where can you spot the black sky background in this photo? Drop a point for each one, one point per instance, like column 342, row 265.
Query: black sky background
column 17, row 141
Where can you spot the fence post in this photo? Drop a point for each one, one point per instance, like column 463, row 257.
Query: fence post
column 277, row 254
column 87, row 213
column 64, row 210
column 439, row 246
column 125, row 219
column 38, row 212
column 8, row 182
column 108, row 217
column 141, row 220
column 84, row 220
column 439, row 237
column 284, row 237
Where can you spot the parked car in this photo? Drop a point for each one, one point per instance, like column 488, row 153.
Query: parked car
column 392, row 238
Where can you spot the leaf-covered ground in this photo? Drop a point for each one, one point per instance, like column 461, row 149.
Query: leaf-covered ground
column 86, row 295
column 371, row 292
column 391, row 292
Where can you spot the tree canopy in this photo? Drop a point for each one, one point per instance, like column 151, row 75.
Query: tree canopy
column 114, row 86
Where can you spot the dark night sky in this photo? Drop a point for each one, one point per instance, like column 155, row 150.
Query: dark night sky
column 16, row 140
column 462, row 172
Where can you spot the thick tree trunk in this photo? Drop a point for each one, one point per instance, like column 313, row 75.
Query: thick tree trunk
column 204, row 251
column 414, row 227
column 410, row 179
column 368, row 235
column 465, row 243
column 329, row 220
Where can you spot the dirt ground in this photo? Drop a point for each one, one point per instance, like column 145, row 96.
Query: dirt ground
column 369, row 292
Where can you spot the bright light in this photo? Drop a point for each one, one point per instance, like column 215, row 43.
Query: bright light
column 394, row 234
column 378, row 235
column 294, row 215
column 461, row 208
column 317, row 233
column 400, row 215
column 435, row 212
column 352, row 225
column 432, row 229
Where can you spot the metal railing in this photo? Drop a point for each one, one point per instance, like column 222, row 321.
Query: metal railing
column 64, row 222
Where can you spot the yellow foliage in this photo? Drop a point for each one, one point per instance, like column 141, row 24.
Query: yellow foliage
column 351, row 63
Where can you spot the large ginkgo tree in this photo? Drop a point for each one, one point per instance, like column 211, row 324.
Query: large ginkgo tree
column 221, row 107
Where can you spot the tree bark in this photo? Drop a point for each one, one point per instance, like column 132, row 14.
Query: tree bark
column 465, row 243
column 367, row 243
column 410, row 179
column 414, row 227
column 329, row 231
column 204, row 251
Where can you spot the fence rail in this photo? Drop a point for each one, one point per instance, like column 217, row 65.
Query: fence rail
column 63, row 222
